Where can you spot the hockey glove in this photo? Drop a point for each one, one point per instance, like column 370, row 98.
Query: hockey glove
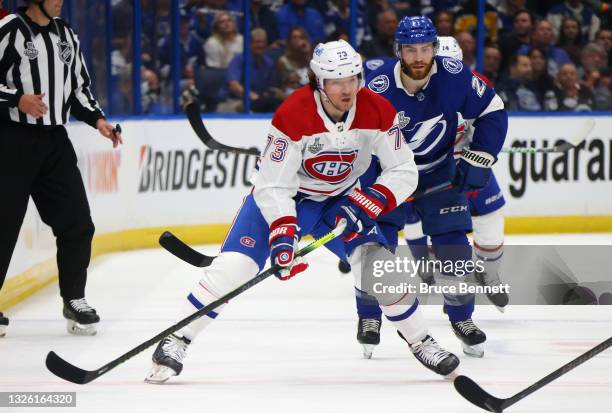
column 283, row 244
column 360, row 209
column 473, row 170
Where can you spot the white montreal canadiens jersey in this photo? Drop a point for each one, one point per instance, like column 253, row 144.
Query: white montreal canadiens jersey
column 310, row 155
column 429, row 118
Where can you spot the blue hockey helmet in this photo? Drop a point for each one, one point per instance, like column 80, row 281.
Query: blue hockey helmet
column 415, row 30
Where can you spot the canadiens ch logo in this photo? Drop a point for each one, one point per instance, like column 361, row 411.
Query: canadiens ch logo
column 454, row 66
column 65, row 52
column 247, row 241
column 30, row 51
column 379, row 84
column 316, row 146
column 331, row 167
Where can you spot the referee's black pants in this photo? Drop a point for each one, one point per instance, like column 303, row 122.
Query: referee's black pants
column 40, row 162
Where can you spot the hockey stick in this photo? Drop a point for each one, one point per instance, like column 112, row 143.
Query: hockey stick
column 181, row 250
column 74, row 374
column 571, row 143
column 195, row 120
column 478, row 396
column 193, row 114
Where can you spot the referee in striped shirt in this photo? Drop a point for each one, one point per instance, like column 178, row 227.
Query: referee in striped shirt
column 43, row 79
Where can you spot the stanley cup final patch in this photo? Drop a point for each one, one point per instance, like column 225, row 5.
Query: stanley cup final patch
column 65, row 52
column 30, row 51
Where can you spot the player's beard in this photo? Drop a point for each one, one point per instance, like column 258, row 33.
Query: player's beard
column 422, row 74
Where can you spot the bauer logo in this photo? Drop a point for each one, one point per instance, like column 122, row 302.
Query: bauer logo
column 379, row 84
column 454, row 66
column 175, row 169
column 331, row 167
column 247, row 241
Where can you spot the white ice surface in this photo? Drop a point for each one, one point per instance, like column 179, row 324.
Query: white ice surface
column 290, row 347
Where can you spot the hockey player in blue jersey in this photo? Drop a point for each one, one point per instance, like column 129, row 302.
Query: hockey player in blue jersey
column 486, row 204
column 429, row 92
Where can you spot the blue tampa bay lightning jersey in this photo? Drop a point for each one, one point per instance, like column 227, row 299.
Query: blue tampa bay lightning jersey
column 428, row 118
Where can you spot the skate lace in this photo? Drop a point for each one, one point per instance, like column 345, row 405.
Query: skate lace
column 370, row 324
column 466, row 326
column 175, row 348
column 430, row 352
column 81, row 305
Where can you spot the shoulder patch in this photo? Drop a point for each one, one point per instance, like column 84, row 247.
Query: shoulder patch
column 379, row 84
column 453, row 66
column 374, row 64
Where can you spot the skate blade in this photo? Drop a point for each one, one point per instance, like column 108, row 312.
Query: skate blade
column 2, row 331
column 477, row 350
column 77, row 329
column 501, row 309
column 368, row 350
column 159, row 374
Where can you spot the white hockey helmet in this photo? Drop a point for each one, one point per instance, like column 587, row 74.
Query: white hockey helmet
column 448, row 47
column 336, row 60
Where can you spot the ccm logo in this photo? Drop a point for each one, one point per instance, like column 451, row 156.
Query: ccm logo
column 450, row 210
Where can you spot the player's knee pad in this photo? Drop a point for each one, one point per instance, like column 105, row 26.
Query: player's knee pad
column 489, row 229
column 228, row 271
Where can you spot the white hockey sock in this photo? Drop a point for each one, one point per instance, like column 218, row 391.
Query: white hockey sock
column 489, row 240
column 228, row 271
column 408, row 320
column 198, row 298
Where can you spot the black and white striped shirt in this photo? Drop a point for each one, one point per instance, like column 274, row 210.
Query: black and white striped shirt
column 44, row 59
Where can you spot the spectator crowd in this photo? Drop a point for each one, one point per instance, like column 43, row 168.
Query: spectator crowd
column 540, row 55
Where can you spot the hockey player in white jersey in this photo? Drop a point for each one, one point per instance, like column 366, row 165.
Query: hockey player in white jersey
column 322, row 138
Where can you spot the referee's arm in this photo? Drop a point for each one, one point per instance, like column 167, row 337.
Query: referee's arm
column 83, row 105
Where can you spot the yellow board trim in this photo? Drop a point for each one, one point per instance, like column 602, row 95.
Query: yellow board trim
column 558, row 225
column 20, row 287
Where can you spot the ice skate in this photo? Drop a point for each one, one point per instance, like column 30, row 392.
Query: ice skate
column 4, row 322
column 501, row 299
column 368, row 335
column 429, row 353
column 80, row 317
column 168, row 359
column 472, row 338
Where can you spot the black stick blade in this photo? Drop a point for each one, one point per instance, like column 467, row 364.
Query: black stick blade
column 192, row 110
column 62, row 369
column 475, row 394
column 183, row 251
